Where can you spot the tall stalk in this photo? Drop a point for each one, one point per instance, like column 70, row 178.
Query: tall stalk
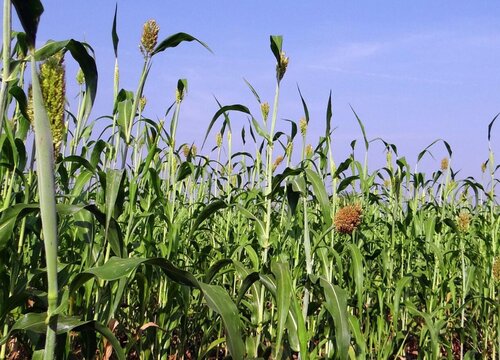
column 6, row 28
column 47, row 196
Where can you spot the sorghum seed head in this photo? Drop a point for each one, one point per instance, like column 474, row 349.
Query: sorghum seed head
column 463, row 221
column 483, row 167
column 264, row 107
column 53, row 84
column 303, row 126
column 80, row 77
column 444, row 164
column 309, row 150
column 289, row 149
column 281, row 67
column 186, row 150
column 142, row 103
column 194, row 150
column 29, row 108
column 387, row 183
column 149, row 37
column 277, row 162
column 348, row 218
column 218, row 139
column 179, row 96
column 496, row 269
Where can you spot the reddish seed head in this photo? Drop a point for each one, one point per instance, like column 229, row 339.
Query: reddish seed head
column 348, row 218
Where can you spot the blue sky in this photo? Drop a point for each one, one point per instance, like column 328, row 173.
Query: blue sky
column 413, row 71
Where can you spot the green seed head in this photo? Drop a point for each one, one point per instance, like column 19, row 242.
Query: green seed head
column 309, row 150
column 53, row 83
column 303, row 126
column 289, row 149
column 80, row 77
column 218, row 139
column 149, row 37
column 142, row 103
column 281, row 67
column 264, row 107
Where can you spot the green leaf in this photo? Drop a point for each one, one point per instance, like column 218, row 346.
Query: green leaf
column 336, row 304
column 114, row 34
column 87, row 63
column 346, row 182
column 214, row 269
column 357, row 269
column 400, row 285
column 176, row 39
column 113, row 183
column 283, row 295
column 362, row 129
column 490, row 125
column 219, row 301
column 304, row 105
column 322, row 196
column 29, row 13
column 207, row 211
column 276, row 45
column 358, row 335
column 117, row 268
column 21, row 99
column 36, row 322
column 9, row 219
column 221, row 111
column 328, row 115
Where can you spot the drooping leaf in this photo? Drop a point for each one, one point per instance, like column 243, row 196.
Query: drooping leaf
column 176, row 39
column 221, row 111
column 276, row 45
column 29, row 13
column 219, row 301
column 336, row 304
column 283, row 297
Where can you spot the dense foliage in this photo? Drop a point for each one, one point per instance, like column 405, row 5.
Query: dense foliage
column 127, row 244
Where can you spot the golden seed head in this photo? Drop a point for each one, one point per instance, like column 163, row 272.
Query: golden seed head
column 80, row 77
column 264, row 107
column 463, row 221
column 218, row 139
column 149, row 37
column 348, row 218
column 387, row 183
column 189, row 151
column 277, row 162
column 483, row 167
column 309, row 150
column 142, row 103
column 496, row 269
column 186, row 150
column 53, row 84
column 444, row 164
column 303, row 126
column 281, row 67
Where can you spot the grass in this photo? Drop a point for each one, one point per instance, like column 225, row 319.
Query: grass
column 158, row 251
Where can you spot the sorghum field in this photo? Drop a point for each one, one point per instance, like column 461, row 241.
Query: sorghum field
column 125, row 244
